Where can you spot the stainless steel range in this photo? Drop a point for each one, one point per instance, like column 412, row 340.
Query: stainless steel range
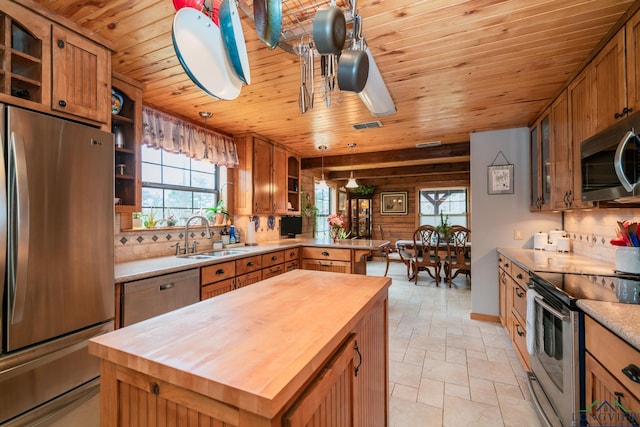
column 557, row 338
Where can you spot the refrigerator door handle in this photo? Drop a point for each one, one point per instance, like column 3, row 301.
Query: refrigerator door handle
column 19, row 224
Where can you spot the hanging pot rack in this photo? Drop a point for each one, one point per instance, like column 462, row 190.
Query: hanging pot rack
column 297, row 21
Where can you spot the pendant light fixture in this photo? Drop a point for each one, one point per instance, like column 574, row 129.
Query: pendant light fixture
column 352, row 181
column 323, row 182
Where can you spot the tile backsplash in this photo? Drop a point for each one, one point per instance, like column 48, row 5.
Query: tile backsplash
column 157, row 242
column 591, row 230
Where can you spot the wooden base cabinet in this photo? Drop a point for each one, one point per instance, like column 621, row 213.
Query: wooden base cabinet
column 612, row 398
column 512, row 291
column 344, row 384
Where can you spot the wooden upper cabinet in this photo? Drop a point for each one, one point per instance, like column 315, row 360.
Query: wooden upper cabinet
column 279, row 183
column 261, row 177
column 81, row 76
column 632, row 30
column 562, row 167
column 262, row 172
column 609, row 83
column 541, row 162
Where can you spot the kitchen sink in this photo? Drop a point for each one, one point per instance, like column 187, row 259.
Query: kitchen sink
column 213, row 254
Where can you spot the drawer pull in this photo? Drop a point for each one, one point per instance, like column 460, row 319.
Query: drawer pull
column 518, row 331
column 519, row 276
column 357, row 368
column 220, row 271
column 292, row 253
column 324, row 265
column 324, row 253
column 632, row 372
column 506, row 264
column 250, row 264
column 165, row 286
column 274, row 258
column 519, row 294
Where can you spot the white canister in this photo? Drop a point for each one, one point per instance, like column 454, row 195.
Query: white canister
column 540, row 240
column 628, row 259
column 554, row 235
column 564, row 244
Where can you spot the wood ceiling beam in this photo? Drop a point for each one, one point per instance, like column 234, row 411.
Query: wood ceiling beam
column 419, row 170
column 458, row 149
column 446, row 180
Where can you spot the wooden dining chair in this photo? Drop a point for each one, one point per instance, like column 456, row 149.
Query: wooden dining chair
column 393, row 254
column 424, row 257
column 458, row 253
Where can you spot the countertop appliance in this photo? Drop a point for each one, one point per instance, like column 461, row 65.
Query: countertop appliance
column 56, row 229
column 610, row 163
column 558, row 344
column 154, row 296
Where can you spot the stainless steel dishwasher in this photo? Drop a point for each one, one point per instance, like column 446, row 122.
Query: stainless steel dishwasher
column 151, row 297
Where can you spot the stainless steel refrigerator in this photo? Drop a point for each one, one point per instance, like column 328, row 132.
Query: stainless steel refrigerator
column 56, row 235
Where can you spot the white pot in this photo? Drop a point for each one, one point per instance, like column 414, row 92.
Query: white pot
column 628, row 260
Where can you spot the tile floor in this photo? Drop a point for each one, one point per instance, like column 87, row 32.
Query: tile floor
column 444, row 368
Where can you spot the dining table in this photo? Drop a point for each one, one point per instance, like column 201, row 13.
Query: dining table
column 405, row 245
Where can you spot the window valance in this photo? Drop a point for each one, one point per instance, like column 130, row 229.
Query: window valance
column 169, row 133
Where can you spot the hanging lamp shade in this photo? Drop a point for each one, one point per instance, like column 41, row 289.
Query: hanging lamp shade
column 322, row 183
column 352, row 181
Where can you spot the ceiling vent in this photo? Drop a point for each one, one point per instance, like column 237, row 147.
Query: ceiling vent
column 367, row 125
column 428, row 144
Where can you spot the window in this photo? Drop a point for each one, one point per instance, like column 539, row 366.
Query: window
column 451, row 202
column 174, row 184
column 323, row 204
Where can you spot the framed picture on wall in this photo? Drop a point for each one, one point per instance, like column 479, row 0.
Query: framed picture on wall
column 500, row 179
column 393, row 203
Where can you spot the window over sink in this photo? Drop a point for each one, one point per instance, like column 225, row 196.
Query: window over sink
column 174, row 185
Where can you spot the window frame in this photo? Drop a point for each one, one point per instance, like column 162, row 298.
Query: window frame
column 164, row 210
column 436, row 216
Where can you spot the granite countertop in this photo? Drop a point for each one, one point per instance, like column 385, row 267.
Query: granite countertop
column 620, row 318
column 141, row 269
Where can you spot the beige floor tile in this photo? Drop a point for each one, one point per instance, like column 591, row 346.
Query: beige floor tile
column 431, row 392
column 404, row 413
column 469, row 343
column 483, row 391
column 457, row 390
column 405, row 392
column 460, row 413
column 462, row 358
column 456, row 355
column 493, row 371
column 518, row 413
column 446, row 372
column 414, row 356
column 405, row 373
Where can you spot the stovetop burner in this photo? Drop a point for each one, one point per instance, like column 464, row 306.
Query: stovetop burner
column 622, row 288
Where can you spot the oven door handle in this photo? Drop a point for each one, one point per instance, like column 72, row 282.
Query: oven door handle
column 556, row 313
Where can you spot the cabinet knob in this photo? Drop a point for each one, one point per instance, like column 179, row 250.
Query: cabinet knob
column 274, row 258
column 220, row 271
column 60, row 43
column 250, row 264
column 62, row 103
column 324, row 253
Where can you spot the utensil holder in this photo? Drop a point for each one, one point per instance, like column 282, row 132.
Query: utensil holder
column 628, row 260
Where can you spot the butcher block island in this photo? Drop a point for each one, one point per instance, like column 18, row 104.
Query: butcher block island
column 302, row 347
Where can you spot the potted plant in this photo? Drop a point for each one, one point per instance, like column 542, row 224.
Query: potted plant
column 150, row 220
column 217, row 213
column 171, row 221
column 444, row 226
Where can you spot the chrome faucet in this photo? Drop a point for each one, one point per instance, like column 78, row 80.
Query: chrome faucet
column 186, row 233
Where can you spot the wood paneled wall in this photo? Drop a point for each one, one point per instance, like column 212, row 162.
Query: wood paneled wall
column 395, row 226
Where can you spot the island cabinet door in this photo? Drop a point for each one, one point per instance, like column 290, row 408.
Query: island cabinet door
column 330, row 399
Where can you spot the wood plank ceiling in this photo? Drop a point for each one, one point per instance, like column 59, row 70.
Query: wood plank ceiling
column 452, row 67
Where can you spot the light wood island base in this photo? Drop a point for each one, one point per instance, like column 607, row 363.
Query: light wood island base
column 301, row 348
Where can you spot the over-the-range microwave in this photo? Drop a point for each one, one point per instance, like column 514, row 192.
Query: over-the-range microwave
column 610, row 163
